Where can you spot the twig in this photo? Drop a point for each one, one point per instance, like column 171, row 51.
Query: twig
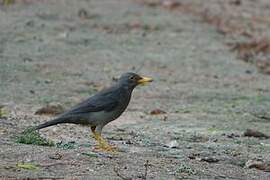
column 144, row 176
column 56, row 163
column 146, row 169
column 119, row 175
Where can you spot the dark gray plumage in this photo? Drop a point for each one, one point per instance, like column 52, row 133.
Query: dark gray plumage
column 103, row 107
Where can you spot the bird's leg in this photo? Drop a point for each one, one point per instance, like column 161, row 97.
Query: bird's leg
column 102, row 145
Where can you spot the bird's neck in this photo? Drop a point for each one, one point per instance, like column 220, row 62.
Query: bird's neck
column 126, row 86
column 129, row 89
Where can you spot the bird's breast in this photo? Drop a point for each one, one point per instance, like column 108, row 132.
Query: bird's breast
column 104, row 117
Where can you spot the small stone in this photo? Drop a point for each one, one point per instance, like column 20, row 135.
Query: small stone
column 48, row 81
column 209, row 159
column 56, row 156
column 257, row 164
column 170, row 4
column 27, row 59
column 32, row 91
column 83, row 13
column 30, row 23
column 172, row 144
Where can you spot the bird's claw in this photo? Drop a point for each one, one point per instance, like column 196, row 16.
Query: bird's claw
column 103, row 145
column 106, row 148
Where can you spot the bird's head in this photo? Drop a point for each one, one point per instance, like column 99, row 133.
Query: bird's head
column 131, row 80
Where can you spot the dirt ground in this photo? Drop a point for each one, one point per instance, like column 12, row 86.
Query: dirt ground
column 63, row 51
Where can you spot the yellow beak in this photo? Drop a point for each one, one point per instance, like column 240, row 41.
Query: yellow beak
column 145, row 80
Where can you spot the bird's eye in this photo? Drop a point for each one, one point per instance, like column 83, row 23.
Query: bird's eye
column 132, row 78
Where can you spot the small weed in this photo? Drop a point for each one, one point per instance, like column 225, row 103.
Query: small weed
column 68, row 145
column 27, row 166
column 91, row 154
column 8, row 2
column 260, row 98
column 3, row 112
column 30, row 136
column 212, row 130
column 185, row 169
column 238, row 142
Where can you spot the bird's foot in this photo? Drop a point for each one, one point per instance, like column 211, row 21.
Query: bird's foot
column 105, row 147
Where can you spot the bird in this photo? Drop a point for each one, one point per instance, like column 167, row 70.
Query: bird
column 102, row 108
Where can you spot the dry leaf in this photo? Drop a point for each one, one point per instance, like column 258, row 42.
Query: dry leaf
column 157, row 112
column 257, row 164
column 254, row 133
column 50, row 109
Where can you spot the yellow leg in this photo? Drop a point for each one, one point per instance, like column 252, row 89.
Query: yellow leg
column 102, row 145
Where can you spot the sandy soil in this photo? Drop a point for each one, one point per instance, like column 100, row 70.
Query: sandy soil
column 63, row 51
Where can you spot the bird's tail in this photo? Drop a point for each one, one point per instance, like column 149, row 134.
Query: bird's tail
column 50, row 123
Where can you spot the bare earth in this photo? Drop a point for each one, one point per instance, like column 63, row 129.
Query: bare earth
column 63, row 51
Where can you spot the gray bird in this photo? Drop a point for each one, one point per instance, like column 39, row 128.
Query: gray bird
column 102, row 108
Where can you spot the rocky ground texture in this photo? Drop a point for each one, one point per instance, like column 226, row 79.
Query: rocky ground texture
column 192, row 122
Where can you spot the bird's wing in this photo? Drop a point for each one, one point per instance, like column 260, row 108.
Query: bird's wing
column 101, row 102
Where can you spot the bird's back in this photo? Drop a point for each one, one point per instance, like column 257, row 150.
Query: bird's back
column 102, row 108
